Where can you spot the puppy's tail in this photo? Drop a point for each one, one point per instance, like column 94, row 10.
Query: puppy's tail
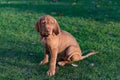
column 89, row 54
column 83, row 57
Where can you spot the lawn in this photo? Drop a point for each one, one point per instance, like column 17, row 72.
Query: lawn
column 94, row 23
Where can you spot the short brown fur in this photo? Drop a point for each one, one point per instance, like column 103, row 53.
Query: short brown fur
column 57, row 42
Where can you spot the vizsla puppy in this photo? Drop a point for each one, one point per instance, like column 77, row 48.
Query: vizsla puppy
column 57, row 42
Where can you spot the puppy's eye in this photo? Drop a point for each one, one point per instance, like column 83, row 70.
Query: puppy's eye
column 43, row 22
column 52, row 22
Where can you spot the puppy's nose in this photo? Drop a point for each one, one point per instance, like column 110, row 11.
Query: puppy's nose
column 48, row 30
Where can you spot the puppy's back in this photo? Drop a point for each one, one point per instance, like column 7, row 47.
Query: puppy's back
column 66, row 40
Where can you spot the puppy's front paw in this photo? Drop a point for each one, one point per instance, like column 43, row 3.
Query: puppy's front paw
column 50, row 72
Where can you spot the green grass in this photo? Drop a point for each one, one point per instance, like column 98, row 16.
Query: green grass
column 95, row 24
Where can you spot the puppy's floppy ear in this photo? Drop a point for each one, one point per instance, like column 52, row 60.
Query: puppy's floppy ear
column 56, row 28
column 37, row 26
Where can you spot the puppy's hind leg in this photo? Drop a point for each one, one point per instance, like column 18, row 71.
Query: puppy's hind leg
column 73, row 58
column 62, row 63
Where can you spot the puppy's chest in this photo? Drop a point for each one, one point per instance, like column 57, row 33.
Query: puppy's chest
column 50, row 41
column 45, row 41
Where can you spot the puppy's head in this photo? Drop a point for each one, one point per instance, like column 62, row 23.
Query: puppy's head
column 47, row 25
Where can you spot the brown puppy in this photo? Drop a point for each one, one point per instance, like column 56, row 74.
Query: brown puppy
column 57, row 42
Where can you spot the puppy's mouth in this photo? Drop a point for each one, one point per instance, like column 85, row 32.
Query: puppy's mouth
column 45, row 34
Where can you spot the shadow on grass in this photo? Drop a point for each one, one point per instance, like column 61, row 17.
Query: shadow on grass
column 22, row 56
column 83, row 10
column 21, row 51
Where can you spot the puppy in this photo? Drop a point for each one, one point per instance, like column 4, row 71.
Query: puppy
column 57, row 42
